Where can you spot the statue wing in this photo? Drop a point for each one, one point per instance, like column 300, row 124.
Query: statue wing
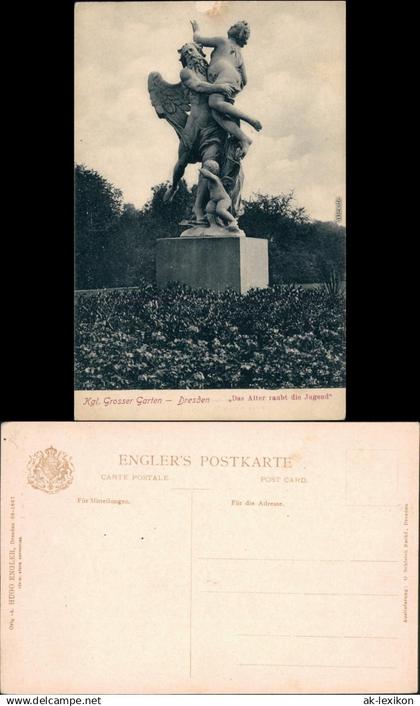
column 170, row 100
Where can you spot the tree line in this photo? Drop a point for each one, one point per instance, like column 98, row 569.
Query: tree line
column 115, row 242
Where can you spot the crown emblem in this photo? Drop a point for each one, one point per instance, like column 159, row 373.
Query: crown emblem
column 50, row 470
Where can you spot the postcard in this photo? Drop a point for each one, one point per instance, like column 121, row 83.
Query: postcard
column 145, row 557
column 210, row 210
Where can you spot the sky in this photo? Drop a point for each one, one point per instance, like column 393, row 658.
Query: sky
column 295, row 62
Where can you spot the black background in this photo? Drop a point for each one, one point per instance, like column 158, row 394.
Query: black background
column 37, row 233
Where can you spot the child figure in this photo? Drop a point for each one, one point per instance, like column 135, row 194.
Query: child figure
column 227, row 67
column 220, row 200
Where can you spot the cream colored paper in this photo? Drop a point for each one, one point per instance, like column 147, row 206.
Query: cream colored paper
column 296, row 84
column 208, row 405
column 172, row 557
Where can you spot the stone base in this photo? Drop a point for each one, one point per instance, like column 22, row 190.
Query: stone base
column 199, row 231
column 213, row 262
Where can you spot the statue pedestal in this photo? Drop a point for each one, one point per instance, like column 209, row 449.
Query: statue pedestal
column 213, row 262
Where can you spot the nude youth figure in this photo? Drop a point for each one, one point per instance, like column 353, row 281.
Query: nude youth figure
column 227, row 67
column 220, row 201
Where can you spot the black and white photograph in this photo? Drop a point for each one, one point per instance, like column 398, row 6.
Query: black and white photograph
column 210, row 211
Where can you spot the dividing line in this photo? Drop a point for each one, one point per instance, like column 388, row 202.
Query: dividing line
column 191, row 559
column 191, row 490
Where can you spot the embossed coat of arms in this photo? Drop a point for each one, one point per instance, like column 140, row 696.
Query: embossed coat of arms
column 50, row 470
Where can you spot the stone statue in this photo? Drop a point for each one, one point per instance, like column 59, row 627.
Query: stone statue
column 227, row 68
column 220, row 200
column 200, row 109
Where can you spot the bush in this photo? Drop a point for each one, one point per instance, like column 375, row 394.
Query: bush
column 116, row 242
column 147, row 338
